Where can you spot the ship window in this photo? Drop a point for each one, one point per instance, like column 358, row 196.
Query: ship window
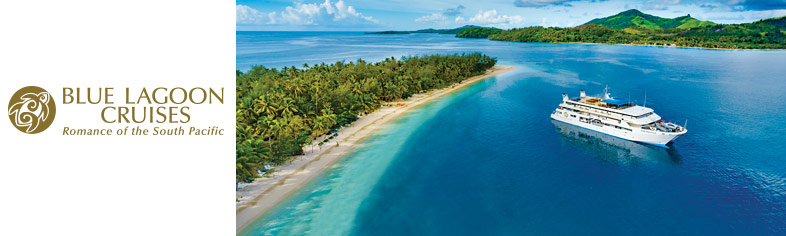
column 572, row 115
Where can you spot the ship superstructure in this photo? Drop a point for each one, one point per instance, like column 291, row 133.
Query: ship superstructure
column 619, row 118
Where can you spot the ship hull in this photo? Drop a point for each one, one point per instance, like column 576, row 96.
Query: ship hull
column 658, row 139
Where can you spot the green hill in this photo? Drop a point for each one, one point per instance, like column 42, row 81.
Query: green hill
column 763, row 34
column 635, row 18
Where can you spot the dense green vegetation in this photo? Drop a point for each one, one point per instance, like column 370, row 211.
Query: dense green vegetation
column 763, row 34
column 589, row 33
column 477, row 32
column 637, row 19
column 280, row 111
column 430, row 31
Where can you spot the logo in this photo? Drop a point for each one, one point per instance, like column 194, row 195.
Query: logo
column 31, row 109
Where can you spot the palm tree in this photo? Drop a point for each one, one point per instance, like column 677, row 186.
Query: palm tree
column 296, row 87
column 265, row 106
column 329, row 117
column 288, row 107
column 274, row 126
column 248, row 159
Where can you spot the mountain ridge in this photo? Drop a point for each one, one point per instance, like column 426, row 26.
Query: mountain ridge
column 635, row 18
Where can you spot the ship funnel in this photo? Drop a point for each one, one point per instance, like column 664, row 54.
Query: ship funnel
column 583, row 94
column 564, row 97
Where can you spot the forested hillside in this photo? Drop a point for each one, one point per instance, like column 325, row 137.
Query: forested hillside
column 763, row 34
column 638, row 19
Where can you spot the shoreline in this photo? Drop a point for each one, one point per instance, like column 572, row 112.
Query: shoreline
column 264, row 193
column 652, row 45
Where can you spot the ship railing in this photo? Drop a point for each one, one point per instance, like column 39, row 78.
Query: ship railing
column 609, row 114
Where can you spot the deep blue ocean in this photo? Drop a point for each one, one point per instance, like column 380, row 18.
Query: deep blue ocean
column 488, row 160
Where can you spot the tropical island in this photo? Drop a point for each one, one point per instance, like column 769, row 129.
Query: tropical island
column 279, row 112
column 638, row 28
column 295, row 122
column 635, row 27
column 430, row 31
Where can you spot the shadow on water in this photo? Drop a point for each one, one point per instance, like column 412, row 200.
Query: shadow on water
column 616, row 150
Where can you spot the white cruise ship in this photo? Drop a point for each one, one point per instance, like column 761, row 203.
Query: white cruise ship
column 618, row 118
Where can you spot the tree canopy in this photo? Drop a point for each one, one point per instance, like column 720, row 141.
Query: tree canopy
column 278, row 112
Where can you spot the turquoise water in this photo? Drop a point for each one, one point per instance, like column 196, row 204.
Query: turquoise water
column 488, row 160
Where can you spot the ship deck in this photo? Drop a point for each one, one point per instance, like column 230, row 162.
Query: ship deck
column 623, row 107
column 605, row 103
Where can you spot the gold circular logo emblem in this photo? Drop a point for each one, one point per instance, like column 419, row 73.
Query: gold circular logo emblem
column 31, row 109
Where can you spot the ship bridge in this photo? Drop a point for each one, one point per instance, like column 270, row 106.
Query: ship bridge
column 618, row 109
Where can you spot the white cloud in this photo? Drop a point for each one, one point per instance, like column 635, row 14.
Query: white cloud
column 436, row 17
column 315, row 14
column 304, row 14
column 492, row 18
column 540, row 3
column 271, row 18
column 442, row 17
column 344, row 11
column 545, row 23
column 325, row 13
column 769, row 14
column 659, row 5
column 248, row 15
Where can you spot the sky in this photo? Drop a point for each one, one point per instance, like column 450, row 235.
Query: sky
column 367, row 15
